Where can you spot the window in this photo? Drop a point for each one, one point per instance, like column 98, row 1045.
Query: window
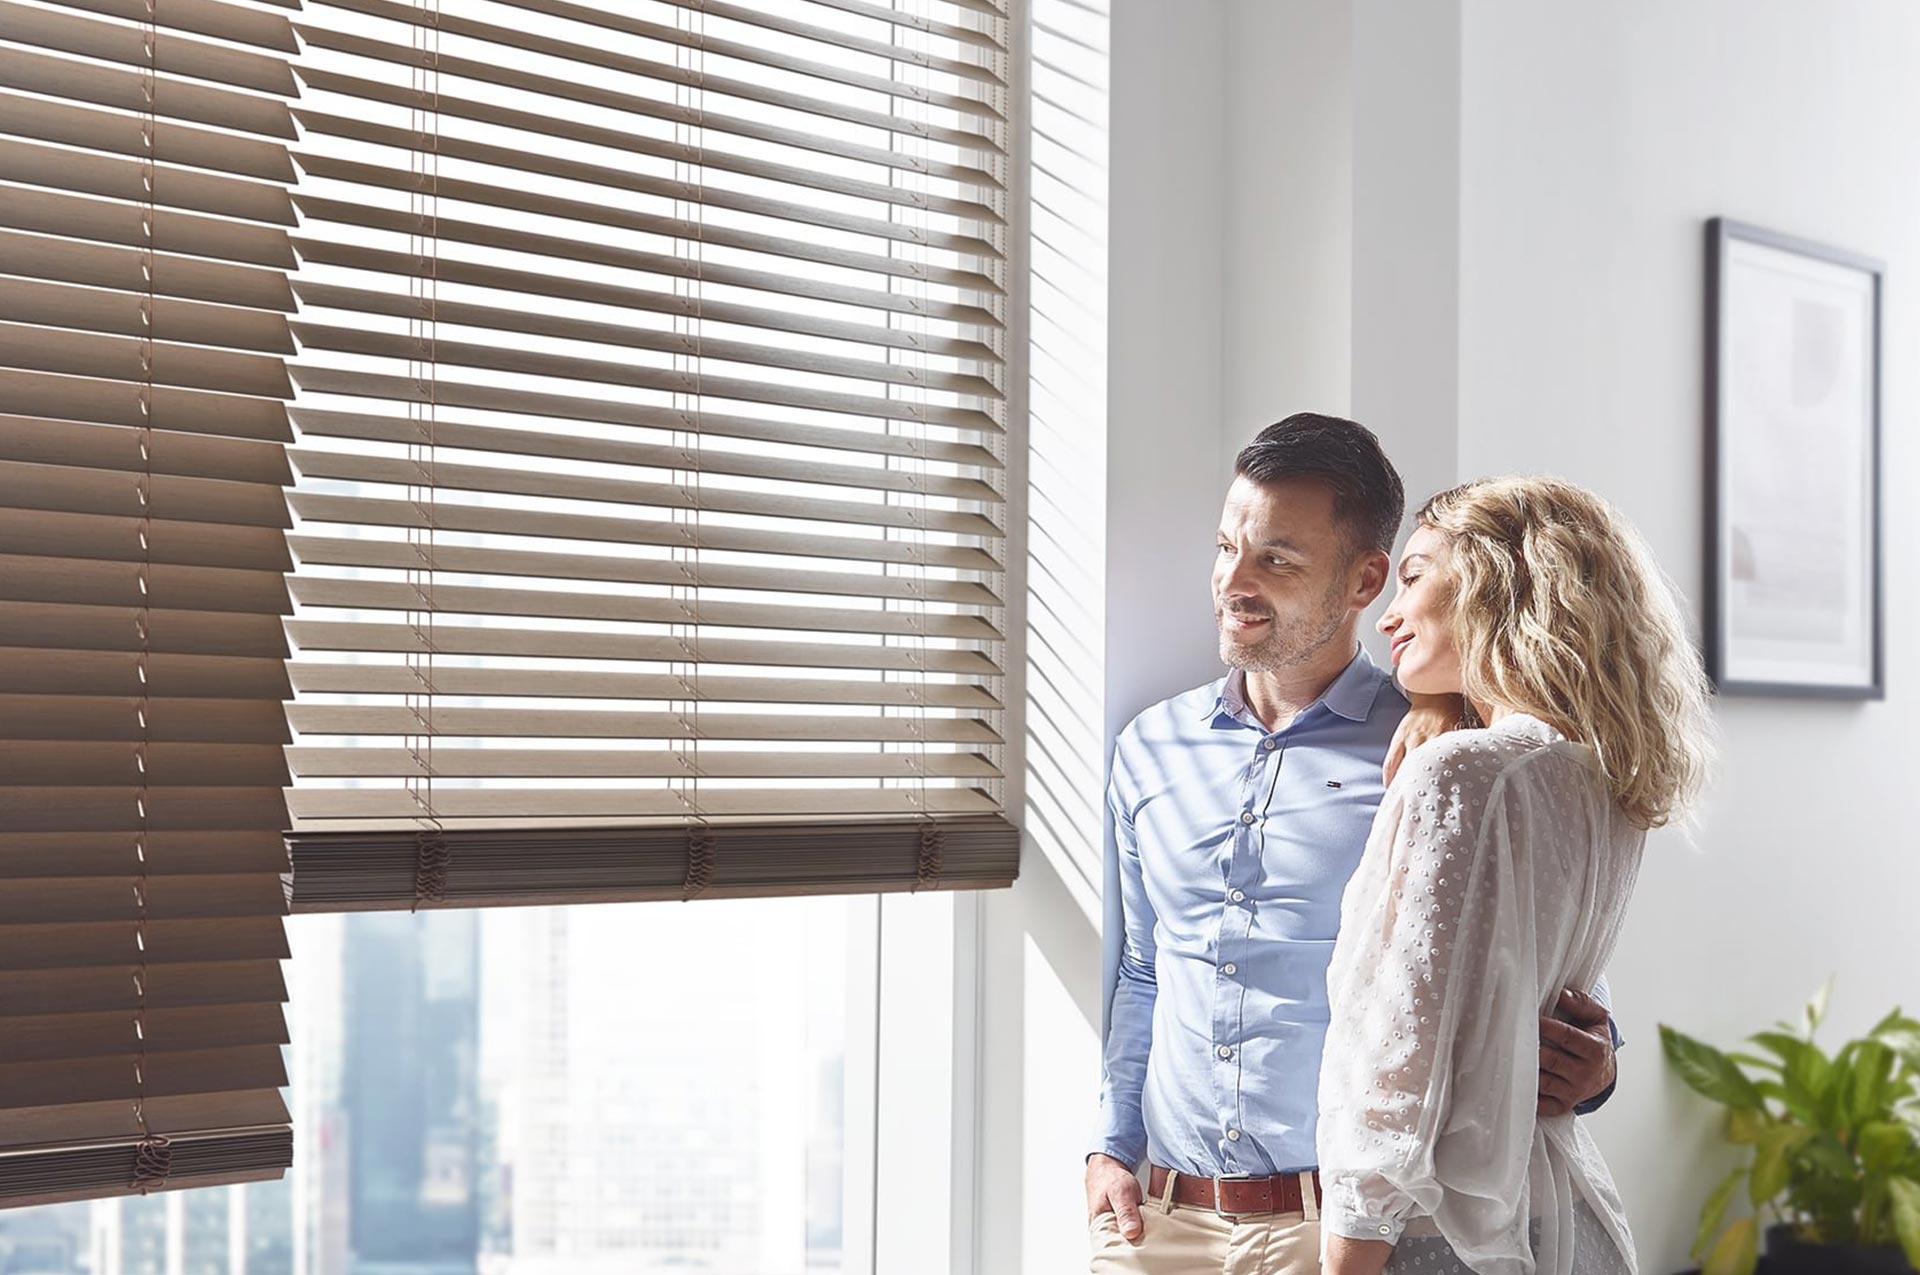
column 520, row 1091
column 647, row 370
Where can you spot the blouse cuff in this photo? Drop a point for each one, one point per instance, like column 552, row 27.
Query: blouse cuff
column 1356, row 1224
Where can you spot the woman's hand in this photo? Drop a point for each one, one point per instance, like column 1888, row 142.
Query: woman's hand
column 1430, row 716
column 1355, row 1257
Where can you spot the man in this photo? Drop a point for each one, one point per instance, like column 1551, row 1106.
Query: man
column 1240, row 810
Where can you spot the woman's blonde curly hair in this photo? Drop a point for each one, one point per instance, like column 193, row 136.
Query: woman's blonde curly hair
column 1559, row 610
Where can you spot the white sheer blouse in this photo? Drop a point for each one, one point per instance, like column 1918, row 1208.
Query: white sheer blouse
column 1497, row 873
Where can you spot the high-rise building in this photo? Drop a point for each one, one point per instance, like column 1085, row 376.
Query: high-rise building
column 659, row 1115
column 409, row 1109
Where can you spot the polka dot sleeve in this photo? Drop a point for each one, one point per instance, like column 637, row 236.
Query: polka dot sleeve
column 1432, row 999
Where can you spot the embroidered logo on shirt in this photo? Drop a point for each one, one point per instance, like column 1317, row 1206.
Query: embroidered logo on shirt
column 1333, row 783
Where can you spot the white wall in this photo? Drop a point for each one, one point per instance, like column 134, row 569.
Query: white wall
column 1595, row 141
column 1287, row 214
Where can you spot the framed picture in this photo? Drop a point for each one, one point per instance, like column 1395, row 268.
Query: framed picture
column 1794, row 595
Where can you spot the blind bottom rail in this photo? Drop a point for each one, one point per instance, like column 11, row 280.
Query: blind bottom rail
column 403, row 868
column 61, row 1174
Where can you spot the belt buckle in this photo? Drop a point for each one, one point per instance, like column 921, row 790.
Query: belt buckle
column 1220, row 1209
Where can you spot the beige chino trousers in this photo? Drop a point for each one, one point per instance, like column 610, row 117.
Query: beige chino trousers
column 1178, row 1240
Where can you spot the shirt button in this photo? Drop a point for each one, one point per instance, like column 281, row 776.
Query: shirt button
column 1385, row 1229
column 1272, row 744
column 1247, row 816
column 1233, row 1135
column 1229, row 968
column 1238, row 896
column 1225, row 1051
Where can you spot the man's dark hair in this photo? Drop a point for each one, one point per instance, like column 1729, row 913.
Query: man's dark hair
column 1368, row 499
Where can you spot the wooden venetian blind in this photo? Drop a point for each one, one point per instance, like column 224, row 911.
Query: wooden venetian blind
column 144, row 249
column 651, row 483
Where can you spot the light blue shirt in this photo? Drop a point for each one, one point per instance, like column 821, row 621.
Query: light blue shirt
column 1235, row 844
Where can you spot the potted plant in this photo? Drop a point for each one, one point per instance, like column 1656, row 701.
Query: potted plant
column 1835, row 1161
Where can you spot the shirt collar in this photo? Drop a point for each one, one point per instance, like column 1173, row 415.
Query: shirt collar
column 1350, row 695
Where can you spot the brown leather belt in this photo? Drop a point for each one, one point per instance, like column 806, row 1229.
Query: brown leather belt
column 1234, row 1196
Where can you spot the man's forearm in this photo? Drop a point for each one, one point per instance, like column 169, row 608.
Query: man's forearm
column 1122, row 1132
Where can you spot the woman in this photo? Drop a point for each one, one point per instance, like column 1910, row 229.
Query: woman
column 1497, row 873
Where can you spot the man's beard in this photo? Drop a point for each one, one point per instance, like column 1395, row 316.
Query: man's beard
column 1285, row 646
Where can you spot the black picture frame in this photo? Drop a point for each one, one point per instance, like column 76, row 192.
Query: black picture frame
column 1732, row 247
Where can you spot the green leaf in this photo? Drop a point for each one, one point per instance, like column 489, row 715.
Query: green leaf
column 1744, row 1126
column 1904, row 1194
column 1868, row 1081
column 1826, row 1155
column 1902, row 1036
column 1773, row 1162
column 1714, row 1212
column 1882, row 1145
column 1708, row 1071
column 1737, row 1252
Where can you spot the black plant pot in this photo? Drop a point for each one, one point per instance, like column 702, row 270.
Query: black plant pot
column 1789, row 1256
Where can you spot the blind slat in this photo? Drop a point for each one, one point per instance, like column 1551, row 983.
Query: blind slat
column 494, row 74
column 448, row 599
column 523, row 723
column 772, row 55
column 178, row 55
column 62, row 672
column 609, row 178
column 397, row 679
column 626, row 803
column 170, row 897
column 614, row 451
column 399, row 555
column 70, row 489
column 462, row 639
column 94, row 628
column 124, row 765
column 383, row 177
column 97, row 1122
column 238, row 23
column 179, row 99
column 106, row 717
column 82, row 398
column 447, row 516
column 536, row 323
column 131, row 359
column 571, row 407
column 125, row 314
column 47, row 442
column 111, row 987
column 121, row 134
column 133, row 229
column 665, row 72
column 93, row 1035
column 394, row 345
column 454, row 762
column 173, row 187
column 37, row 256
column 67, row 535
column 103, row 583
column 448, row 104
column 538, row 284
column 751, row 16
column 195, row 852
column 480, row 478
